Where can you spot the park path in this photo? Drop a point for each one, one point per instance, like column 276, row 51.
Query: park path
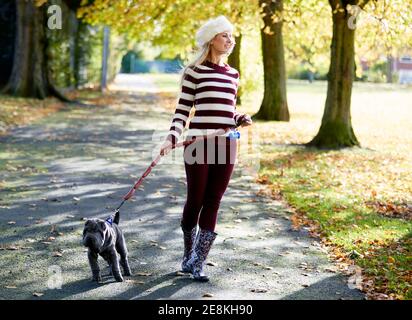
column 78, row 163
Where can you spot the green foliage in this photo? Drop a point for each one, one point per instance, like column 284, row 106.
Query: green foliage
column 60, row 48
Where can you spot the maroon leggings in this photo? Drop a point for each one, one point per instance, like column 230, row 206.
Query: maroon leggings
column 207, row 181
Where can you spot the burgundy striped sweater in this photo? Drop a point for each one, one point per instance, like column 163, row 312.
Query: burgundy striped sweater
column 212, row 90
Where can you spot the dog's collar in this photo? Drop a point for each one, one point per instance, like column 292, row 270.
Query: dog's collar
column 109, row 220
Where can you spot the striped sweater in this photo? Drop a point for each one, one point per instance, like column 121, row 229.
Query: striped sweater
column 212, row 90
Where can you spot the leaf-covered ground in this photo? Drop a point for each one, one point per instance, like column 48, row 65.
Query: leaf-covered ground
column 79, row 162
column 358, row 200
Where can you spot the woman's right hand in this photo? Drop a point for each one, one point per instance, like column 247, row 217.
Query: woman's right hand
column 166, row 147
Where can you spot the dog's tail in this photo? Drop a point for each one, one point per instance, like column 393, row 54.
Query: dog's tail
column 116, row 217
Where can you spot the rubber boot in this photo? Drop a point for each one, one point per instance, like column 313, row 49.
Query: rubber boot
column 189, row 237
column 203, row 244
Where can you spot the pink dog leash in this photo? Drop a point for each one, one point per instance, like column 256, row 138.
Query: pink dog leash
column 218, row 132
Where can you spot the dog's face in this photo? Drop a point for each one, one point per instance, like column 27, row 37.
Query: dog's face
column 94, row 234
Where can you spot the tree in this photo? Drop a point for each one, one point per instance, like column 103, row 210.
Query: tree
column 165, row 23
column 307, row 35
column 234, row 61
column 30, row 76
column 274, row 105
column 105, row 56
column 336, row 128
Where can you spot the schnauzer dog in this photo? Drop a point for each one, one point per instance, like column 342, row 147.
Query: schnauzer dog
column 104, row 237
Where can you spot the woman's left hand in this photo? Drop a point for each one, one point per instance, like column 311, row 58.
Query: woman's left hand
column 247, row 121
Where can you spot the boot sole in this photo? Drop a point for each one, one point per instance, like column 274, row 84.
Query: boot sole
column 201, row 279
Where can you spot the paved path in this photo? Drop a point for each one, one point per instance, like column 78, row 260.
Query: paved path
column 79, row 163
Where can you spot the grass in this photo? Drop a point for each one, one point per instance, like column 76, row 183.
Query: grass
column 20, row 111
column 357, row 200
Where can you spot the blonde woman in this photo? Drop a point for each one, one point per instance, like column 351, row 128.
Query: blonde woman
column 210, row 85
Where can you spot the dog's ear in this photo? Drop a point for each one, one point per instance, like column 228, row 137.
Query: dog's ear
column 88, row 226
column 102, row 227
column 88, row 222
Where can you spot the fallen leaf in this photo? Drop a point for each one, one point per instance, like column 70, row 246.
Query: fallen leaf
column 11, row 222
column 208, row 295
column 259, row 290
column 38, row 294
column 10, row 287
column 134, row 281
column 143, row 274
column 211, row 263
column 57, row 254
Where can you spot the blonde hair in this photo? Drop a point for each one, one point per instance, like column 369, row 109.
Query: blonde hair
column 198, row 58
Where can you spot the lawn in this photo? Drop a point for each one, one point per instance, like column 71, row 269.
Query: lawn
column 357, row 200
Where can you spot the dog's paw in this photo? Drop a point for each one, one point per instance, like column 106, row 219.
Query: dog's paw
column 128, row 273
column 119, row 278
column 97, row 278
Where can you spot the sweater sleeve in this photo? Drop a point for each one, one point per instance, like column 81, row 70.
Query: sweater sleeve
column 184, row 105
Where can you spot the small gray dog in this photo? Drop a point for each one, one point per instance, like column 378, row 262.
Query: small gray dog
column 104, row 237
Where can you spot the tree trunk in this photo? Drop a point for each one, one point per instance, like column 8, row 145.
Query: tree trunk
column 336, row 129
column 29, row 76
column 234, row 61
column 274, row 105
column 389, row 69
column 105, row 57
column 7, row 39
column 74, row 26
column 78, row 55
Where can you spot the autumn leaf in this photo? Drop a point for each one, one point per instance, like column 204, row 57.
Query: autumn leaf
column 10, row 287
column 259, row 290
column 38, row 294
column 143, row 274
column 391, row 260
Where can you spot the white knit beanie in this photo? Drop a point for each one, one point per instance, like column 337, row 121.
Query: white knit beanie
column 211, row 28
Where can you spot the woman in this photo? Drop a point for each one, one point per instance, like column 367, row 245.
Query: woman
column 211, row 86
